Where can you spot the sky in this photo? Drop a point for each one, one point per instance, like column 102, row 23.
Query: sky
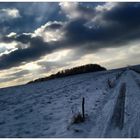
column 41, row 38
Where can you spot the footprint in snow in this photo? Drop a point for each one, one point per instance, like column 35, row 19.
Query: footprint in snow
column 2, row 122
column 96, row 104
column 97, row 101
column 49, row 102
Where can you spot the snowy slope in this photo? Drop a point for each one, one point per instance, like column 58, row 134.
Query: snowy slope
column 46, row 109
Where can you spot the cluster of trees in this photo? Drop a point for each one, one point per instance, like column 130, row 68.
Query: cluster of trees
column 73, row 71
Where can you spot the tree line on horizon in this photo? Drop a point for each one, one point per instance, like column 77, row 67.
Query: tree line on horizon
column 73, row 71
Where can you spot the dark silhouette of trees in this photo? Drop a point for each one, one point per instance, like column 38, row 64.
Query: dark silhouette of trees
column 73, row 71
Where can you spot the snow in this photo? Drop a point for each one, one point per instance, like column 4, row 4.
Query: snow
column 46, row 109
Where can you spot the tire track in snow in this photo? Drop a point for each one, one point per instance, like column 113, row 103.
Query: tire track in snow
column 102, row 114
column 129, row 107
column 117, row 119
column 125, row 103
column 132, row 121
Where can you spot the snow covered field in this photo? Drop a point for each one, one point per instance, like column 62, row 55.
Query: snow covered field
column 45, row 109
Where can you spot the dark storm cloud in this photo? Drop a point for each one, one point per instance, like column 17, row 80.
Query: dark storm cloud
column 122, row 25
column 23, row 38
column 36, row 49
column 123, row 12
column 54, row 26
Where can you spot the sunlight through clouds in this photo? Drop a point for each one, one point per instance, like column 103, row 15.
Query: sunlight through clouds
column 64, row 35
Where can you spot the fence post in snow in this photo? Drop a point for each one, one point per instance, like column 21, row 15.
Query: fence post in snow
column 83, row 108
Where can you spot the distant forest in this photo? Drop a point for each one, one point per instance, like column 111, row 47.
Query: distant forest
column 73, row 71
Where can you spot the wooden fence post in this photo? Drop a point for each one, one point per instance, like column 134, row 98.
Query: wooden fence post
column 83, row 108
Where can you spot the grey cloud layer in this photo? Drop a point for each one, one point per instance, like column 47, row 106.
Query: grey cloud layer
column 122, row 25
column 36, row 49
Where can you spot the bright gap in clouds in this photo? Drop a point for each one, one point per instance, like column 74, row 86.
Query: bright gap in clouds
column 31, row 66
column 58, row 56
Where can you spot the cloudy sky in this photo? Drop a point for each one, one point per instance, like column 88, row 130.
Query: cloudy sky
column 37, row 39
